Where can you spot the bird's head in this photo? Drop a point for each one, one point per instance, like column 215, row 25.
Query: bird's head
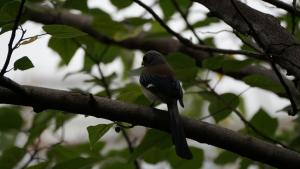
column 153, row 57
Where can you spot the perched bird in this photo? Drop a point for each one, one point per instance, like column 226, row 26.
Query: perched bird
column 159, row 84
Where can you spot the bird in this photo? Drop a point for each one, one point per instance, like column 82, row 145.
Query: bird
column 158, row 83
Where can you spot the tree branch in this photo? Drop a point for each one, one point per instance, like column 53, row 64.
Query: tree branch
column 275, row 39
column 12, row 38
column 195, row 46
column 284, row 6
column 202, row 132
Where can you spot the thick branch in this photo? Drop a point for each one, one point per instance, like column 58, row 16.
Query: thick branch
column 202, row 132
column 275, row 39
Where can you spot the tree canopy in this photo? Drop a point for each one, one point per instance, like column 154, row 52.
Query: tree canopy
column 265, row 55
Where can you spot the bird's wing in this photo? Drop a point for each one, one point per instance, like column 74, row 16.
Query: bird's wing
column 165, row 87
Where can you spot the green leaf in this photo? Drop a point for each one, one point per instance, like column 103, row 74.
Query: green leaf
column 11, row 156
column 42, row 165
column 214, row 63
column 127, row 57
column 220, row 106
column 259, row 121
column 61, row 153
column 23, row 63
column 179, row 163
column 193, row 106
column 6, row 28
column 167, row 8
column 184, row 67
column 263, row 82
column 231, row 65
column 63, row 31
column 136, row 21
column 10, row 118
column 245, row 163
column 73, row 4
column 66, row 48
column 126, row 94
column 96, row 132
column 9, row 11
column 61, row 118
column 7, row 139
column 109, row 27
column 76, row 163
column 3, row 2
column 152, row 139
column 39, row 124
column 206, row 22
column 117, row 159
column 226, row 157
column 111, row 54
column 121, row 4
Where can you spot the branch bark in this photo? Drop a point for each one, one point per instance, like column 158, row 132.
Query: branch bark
column 202, row 132
column 275, row 39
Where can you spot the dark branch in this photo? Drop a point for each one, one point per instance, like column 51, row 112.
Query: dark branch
column 274, row 38
column 284, row 6
column 184, row 17
column 202, row 132
column 189, row 43
column 272, row 63
column 12, row 38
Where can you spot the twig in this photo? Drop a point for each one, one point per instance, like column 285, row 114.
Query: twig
column 294, row 17
column 190, row 44
column 21, row 38
column 12, row 38
column 130, row 147
column 104, row 82
column 174, row 2
column 270, row 58
column 247, row 123
column 32, row 156
column 248, row 43
column 283, row 5
column 109, row 95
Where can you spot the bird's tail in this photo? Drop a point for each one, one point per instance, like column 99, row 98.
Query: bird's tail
column 177, row 132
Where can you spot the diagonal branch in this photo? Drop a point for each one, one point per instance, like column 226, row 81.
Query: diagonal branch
column 202, row 132
column 274, row 38
column 272, row 63
column 184, row 17
column 284, row 6
column 12, row 38
column 195, row 46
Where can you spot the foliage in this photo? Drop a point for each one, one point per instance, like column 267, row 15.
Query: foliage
column 201, row 97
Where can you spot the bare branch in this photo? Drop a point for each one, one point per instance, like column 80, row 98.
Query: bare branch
column 184, row 17
column 12, row 38
column 284, row 6
column 194, row 46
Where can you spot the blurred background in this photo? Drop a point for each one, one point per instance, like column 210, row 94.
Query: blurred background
column 52, row 71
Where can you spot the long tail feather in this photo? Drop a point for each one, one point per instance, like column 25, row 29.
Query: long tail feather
column 177, row 132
